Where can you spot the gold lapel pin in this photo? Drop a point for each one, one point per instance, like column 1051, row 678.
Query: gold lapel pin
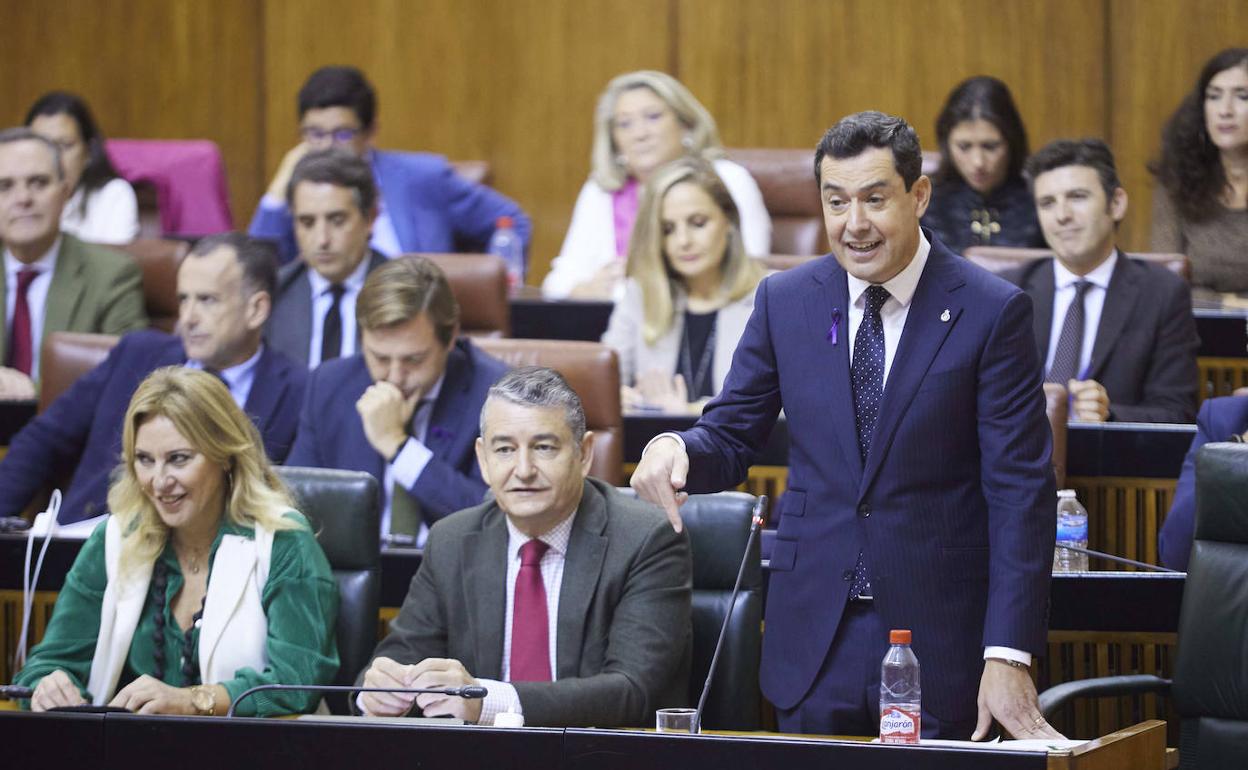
column 944, row 317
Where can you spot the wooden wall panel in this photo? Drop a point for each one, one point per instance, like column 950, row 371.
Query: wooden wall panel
column 150, row 69
column 1156, row 50
column 780, row 73
column 510, row 82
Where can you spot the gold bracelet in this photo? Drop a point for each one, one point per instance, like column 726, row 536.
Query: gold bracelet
column 204, row 700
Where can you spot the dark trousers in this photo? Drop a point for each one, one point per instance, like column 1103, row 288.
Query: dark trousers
column 845, row 698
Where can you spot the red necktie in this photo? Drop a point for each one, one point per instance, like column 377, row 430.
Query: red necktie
column 20, row 345
column 530, row 633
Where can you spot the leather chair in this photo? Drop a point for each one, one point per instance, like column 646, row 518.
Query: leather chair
column 1057, row 408
column 1210, row 686
column 159, row 259
column 719, row 527
column 593, row 371
column 479, row 283
column 786, row 179
column 342, row 509
column 66, row 356
column 998, row 259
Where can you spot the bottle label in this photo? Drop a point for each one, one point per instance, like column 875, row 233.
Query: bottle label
column 1072, row 532
column 898, row 725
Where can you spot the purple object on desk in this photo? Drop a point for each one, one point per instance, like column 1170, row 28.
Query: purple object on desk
column 189, row 177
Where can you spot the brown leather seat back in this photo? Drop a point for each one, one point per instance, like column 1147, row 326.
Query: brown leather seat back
column 479, row 283
column 593, row 371
column 159, row 258
column 66, row 356
column 998, row 259
column 786, row 179
column 1057, row 407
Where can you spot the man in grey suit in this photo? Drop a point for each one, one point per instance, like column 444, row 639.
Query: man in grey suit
column 334, row 201
column 567, row 601
column 1117, row 332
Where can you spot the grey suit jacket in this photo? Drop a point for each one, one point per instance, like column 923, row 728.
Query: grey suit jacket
column 94, row 289
column 289, row 328
column 624, row 334
column 624, row 631
column 1144, row 354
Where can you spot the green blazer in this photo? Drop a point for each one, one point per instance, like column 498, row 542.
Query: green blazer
column 94, row 289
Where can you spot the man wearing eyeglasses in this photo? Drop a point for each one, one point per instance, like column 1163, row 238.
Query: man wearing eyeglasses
column 424, row 205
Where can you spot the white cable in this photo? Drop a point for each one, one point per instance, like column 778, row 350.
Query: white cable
column 29, row 582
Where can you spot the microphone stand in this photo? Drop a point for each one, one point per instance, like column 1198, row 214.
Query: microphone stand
column 756, row 523
column 470, row 691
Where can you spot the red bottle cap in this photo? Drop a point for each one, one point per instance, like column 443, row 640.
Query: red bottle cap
column 899, row 636
column 502, row 222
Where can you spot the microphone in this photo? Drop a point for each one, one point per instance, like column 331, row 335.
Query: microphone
column 756, row 523
column 15, row 692
column 1119, row 559
column 469, row 691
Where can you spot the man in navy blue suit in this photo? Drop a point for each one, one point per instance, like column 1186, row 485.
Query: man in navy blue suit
column 920, row 493
column 1220, row 419
column 406, row 409
column 225, row 287
column 425, row 206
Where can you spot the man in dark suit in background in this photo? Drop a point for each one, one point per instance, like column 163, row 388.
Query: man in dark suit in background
column 920, row 493
column 553, row 545
column 1220, row 419
column 406, row 409
column 1117, row 332
column 425, row 205
column 334, row 202
column 224, row 286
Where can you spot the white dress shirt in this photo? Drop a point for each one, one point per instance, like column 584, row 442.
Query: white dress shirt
column 502, row 695
column 1093, row 303
column 36, row 297
column 411, row 460
column 323, row 300
column 238, row 378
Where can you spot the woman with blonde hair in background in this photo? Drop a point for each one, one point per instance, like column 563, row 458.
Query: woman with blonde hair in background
column 204, row 581
column 644, row 120
column 689, row 293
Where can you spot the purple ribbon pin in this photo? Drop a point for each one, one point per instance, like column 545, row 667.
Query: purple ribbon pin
column 836, row 325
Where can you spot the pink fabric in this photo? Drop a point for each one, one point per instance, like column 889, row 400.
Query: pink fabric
column 624, row 201
column 20, row 350
column 530, row 628
column 189, row 177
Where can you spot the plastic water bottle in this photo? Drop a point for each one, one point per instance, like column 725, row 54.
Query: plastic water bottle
column 1072, row 529
column 505, row 243
column 900, row 697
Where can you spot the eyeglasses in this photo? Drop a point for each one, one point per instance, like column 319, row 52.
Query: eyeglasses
column 340, row 135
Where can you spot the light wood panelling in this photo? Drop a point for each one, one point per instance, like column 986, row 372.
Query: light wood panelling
column 150, row 69
column 1156, row 50
column 512, row 82
column 779, row 73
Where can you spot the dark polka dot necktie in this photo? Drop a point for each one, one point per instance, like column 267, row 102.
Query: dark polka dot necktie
column 867, row 374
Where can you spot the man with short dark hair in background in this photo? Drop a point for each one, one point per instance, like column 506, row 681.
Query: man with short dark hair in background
column 334, row 202
column 568, row 601
column 224, row 290
column 52, row 281
column 404, row 409
column 424, row 205
column 1117, row 332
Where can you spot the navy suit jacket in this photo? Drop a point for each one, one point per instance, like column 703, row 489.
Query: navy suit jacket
column 289, row 328
column 433, row 209
column 1218, row 420
column 81, row 430
column 1144, row 353
column 332, row 436
column 954, row 508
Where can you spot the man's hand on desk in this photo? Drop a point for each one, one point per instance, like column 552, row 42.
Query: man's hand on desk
column 660, row 477
column 15, row 386
column 1007, row 694
column 427, row 674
